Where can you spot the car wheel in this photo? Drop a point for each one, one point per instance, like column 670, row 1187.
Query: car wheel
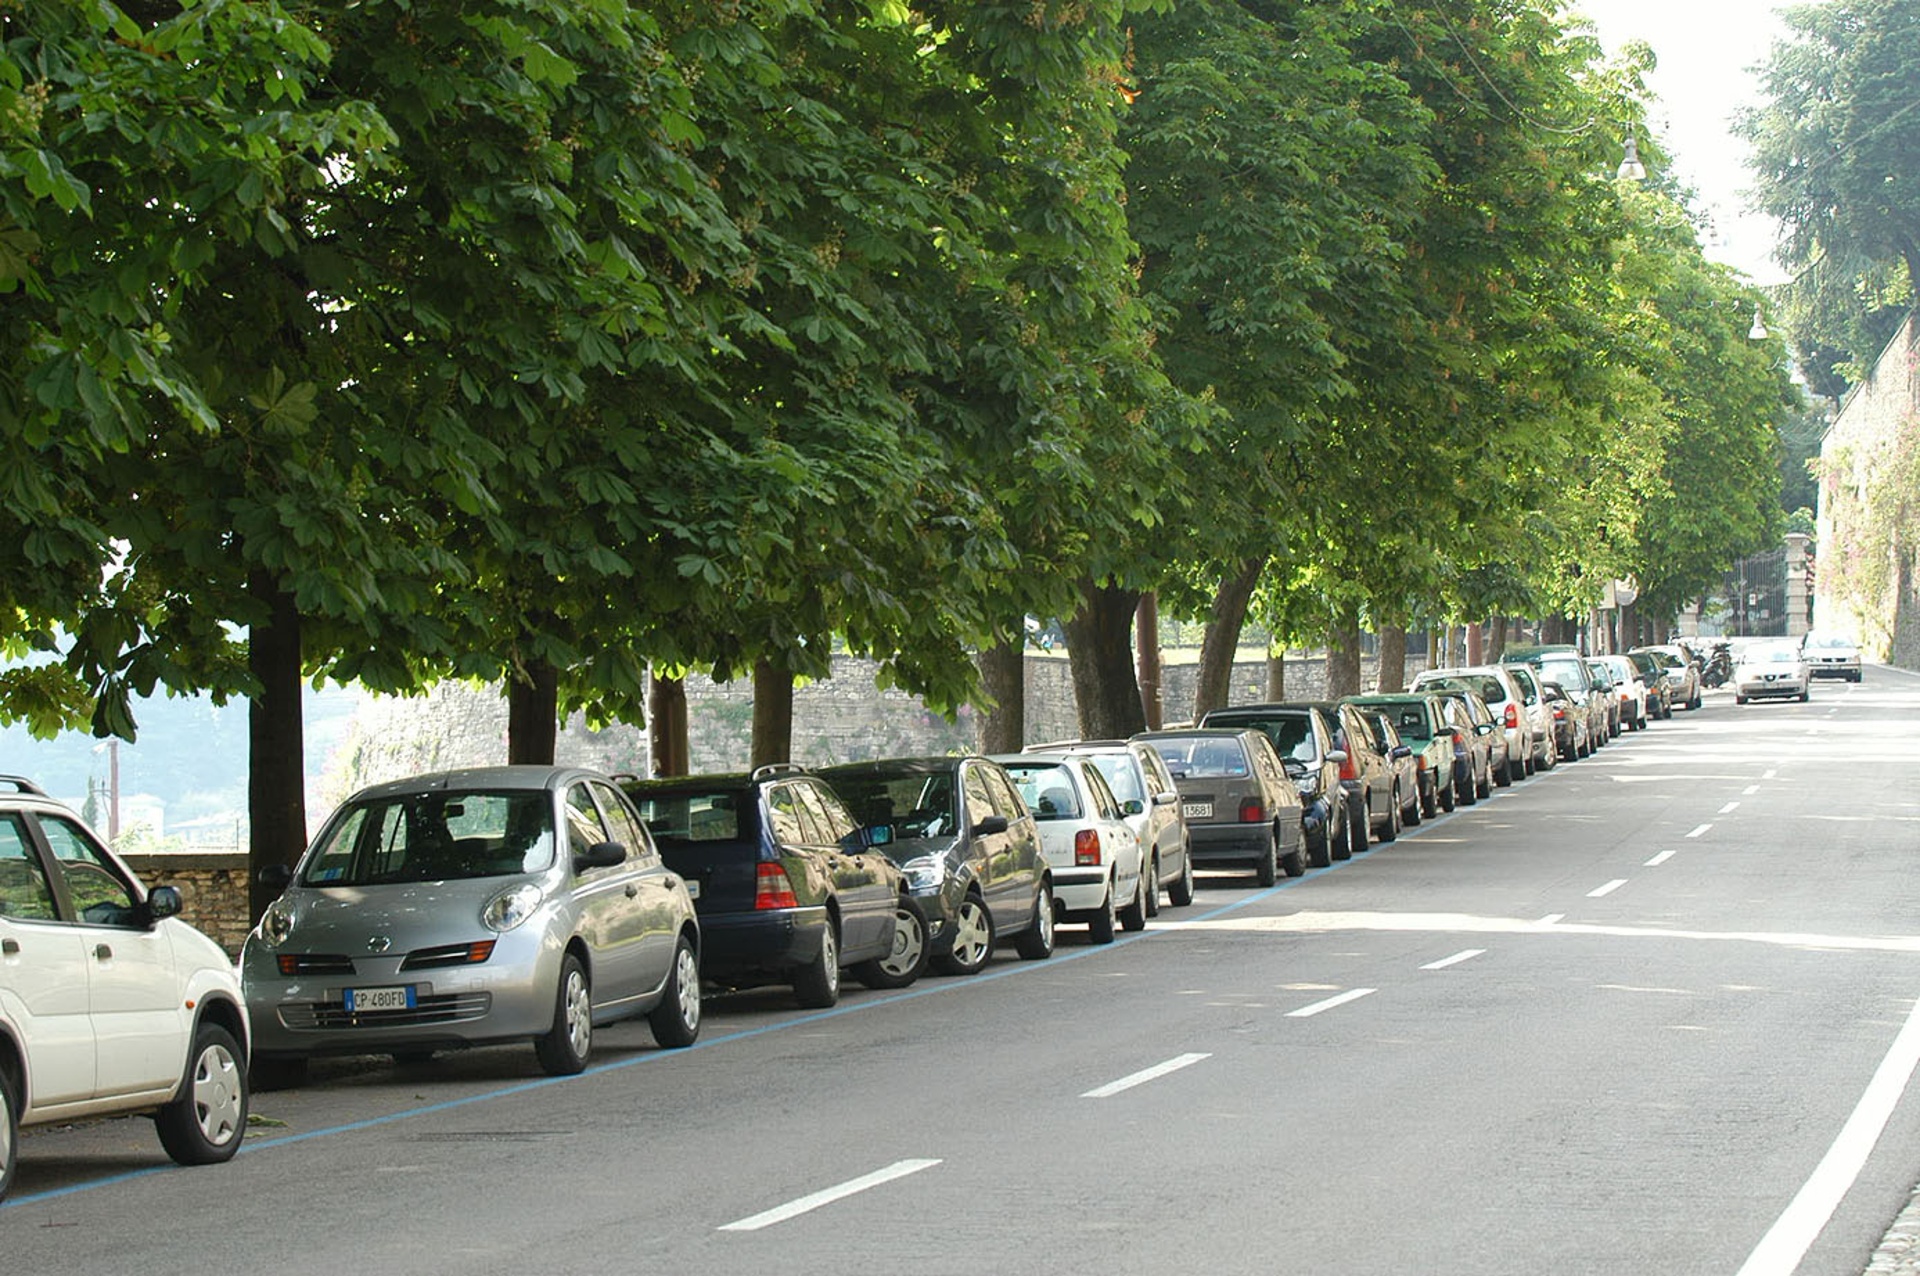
column 1134, row 915
column 1504, row 776
column 816, row 985
column 1739, row 699
column 972, row 938
column 1181, row 892
column 1483, row 786
column 676, row 1020
column 1036, row 941
column 1319, row 847
column 1294, row 862
column 9, row 1134
column 276, row 1072
column 1104, row 922
column 1390, row 831
column 1339, row 842
column 1695, row 702
column 1430, row 802
column 1466, row 791
column 908, row 956
column 1448, row 799
column 207, row 1122
column 1153, row 888
column 1412, row 813
column 564, row 1049
column 1358, row 829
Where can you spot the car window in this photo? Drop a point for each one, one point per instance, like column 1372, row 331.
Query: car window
column 436, row 836
column 789, row 825
column 1122, row 775
column 585, row 828
column 1103, row 800
column 829, row 819
column 1005, row 801
column 973, row 780
column 1157, row 778
column 24, row 890
column 1047, row 790
column 691, row 817
column 94, row 886
column 626, row 827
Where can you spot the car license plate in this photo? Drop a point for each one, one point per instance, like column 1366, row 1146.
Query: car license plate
column 365, row 1000
column 693, row 889
column 1197, row 810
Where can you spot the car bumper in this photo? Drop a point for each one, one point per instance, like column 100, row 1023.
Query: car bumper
column 1230, row 843
column 1080, row 890
column 1779, row 687
column 1848, row 669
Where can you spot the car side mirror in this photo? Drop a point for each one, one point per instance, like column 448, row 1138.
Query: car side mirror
column 878, row 834
column 1483, row 728
column 1166, row 799
column 1402, row 751
column 278, row 876
column 991, row 825
column 1132, row 806
column 1336, row 755
column 163, row 902
column 600, row 855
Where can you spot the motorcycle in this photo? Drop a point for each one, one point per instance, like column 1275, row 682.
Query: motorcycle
column 1719, row 666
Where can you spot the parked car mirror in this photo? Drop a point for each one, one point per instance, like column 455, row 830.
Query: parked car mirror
column 1132, row 806
column 1166, row 799
column 600, row 855
column 991, row 825
column 1483, row 728
column 1402, row 751
column 1336, row 755
column 879, row 834
column 277, row 876
column 162, row 902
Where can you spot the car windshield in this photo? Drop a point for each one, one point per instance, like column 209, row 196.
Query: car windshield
column 1122, row 775
column 437, row 836
column 1777, row 655
column 1568, row 673
column 916, row 802
column 696, row 816
column 1410, row 720
column 1827, row 640
column 1486, row 686
column 1047, row 790
column 1291, row 733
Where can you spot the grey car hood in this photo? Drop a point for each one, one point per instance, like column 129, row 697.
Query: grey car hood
column 410, row 914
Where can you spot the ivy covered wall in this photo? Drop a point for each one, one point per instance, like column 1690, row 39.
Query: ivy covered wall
column 1868, row 579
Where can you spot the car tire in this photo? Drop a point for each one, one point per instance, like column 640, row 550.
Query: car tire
column 276, row 1072
column 1294, row 862
column 675, row 1022
column 9, row 1133
column 1180, row 894
column 1340, row 845
column 1104, row 923
column 816, row 985
column 1134, row 916
column 972, row 938
column 1803, row 697
column 1319, row 848
column 907, row 958
column 1390, row 831
column 563, row 1050
column 207, row 1122
column 1447, row 797
column 1413, row 812
column 1739, row 699
column 1504, row 776
column 1483, row 785
column 1153, row 888
column 1467, row 792
column 1035, row 943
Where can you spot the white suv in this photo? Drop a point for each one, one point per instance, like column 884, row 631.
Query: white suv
column 109, row 1004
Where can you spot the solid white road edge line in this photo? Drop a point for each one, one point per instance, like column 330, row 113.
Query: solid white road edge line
column 1659, row 859
column 1793, row 1233
column 1308, row 1011
column 1699, row 829
column 1465, row 955
column 1608, row 889
column 827, row 1196
column 1145, row 1075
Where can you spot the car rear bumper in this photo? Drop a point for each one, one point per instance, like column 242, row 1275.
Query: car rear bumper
column 1230, row 843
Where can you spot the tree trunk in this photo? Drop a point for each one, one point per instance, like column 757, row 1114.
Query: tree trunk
column 276, row 750
column 1003, row 675
column 1213, row 687
column 667, row 734
column 1496, row 639
column 1100, row 652
column 1146, row 630
column 533, row 715
column 1476, row 643
column 1277, row 675
column 772, row 713
column 1393, row 658
column 1343, row 653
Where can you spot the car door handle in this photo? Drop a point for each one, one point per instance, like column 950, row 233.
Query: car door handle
column 103, row 952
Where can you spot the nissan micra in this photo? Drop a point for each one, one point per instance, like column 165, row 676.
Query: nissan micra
column 519, row 903
column 109, row 1004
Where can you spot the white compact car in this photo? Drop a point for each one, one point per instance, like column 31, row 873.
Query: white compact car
column 1094, row 856
column 1830, row 655
column 1770, row 670
column 109, row 1004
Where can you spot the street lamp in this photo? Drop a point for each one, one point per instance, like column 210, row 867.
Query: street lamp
column 1631, row 169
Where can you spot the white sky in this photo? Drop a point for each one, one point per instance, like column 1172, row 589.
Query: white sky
column 1707, row 51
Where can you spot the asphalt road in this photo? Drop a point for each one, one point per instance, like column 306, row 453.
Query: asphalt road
column 1653, row 1012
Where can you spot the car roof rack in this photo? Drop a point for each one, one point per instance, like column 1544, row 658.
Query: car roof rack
column 21, row 784
column 770, row 769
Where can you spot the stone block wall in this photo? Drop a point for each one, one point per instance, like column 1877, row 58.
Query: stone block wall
column 213, row 890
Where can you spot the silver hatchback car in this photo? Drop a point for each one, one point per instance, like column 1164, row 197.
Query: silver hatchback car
column 472, row 907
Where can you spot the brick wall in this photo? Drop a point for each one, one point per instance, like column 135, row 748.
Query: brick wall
column 213, row 890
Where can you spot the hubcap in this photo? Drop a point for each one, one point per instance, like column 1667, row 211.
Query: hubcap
column 970, row 933
column 1046, row 917
column 830, row 955
column 579, row 1015
column 909, row 938
column 216, row 1095
column 687, row 974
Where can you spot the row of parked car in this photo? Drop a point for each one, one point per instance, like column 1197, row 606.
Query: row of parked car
column 538, row 904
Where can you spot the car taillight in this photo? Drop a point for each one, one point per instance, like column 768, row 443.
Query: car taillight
column 1559, row 713
column 772, row 888
column 1420, row 761
column 1513, row 714
column 1086, row 848
column 1349, row 769
column 1253, row 811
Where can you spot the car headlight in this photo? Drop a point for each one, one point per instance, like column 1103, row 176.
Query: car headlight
column 276, row 924
column 925, row 875
column 510, row 907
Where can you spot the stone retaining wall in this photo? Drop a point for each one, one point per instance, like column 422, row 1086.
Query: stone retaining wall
column 213, row 890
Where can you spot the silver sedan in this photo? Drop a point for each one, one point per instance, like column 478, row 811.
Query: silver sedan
column 472, row 907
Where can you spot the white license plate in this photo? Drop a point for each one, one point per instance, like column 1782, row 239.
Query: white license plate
column 1197, row 810
column 365, row 1000
column 693, row 889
